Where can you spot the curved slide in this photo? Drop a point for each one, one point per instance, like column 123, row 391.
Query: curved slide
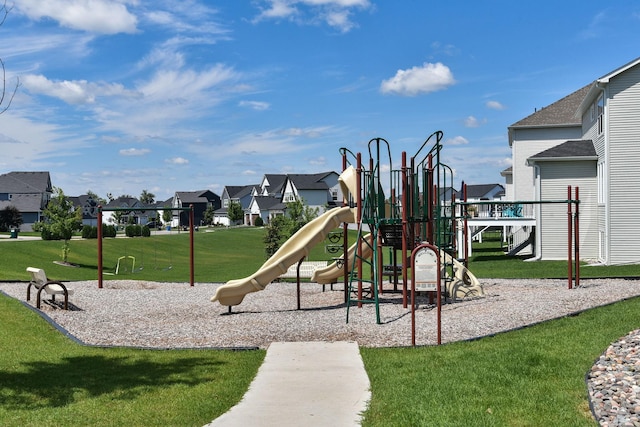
column 292, row 251
column 464, row 283
column 332, row 272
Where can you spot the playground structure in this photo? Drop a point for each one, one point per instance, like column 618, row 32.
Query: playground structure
column 397, row 213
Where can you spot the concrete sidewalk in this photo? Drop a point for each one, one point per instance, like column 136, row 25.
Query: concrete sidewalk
column 304, row 384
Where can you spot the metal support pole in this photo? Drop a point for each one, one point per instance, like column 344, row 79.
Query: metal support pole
column 569, row 239
column 576, row 222
column 405, row 234
column 191, row 263
column 99, row 247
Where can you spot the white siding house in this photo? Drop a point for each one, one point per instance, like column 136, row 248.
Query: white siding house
column 602, row 159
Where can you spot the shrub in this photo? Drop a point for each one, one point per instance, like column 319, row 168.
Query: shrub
column 145, row 231
column 108, row 230
column 258, row 222
column 89, row 232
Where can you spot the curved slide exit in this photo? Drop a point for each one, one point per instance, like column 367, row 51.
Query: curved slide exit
column 292, row 251
column 333, row 271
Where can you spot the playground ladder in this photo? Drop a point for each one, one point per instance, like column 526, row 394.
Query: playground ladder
column 370, row 219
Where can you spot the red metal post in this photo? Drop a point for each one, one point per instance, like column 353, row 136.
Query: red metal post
column 405, row 234
column 576, row 221
column 191, row 263
column 99, row 247
column 569, row 239
column 358, row 219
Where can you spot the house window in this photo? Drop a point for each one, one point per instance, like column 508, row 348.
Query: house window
column 600, row 113
column 225, row 203
column 602, row 183
column 334, row 195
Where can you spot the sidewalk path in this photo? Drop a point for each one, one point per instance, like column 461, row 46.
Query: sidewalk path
column 304, row 384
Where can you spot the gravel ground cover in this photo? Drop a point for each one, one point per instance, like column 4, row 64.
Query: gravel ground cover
column 175, row 315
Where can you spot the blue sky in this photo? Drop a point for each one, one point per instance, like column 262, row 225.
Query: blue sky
column 120, row 96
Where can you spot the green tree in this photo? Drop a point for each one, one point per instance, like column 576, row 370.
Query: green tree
column 147, row 198
column 274, row 235
column 208, row 215
column 62, row 219
column 167, row 216
column 235, row 212
column 10, row 217
column 100, row 200
column 299, row 214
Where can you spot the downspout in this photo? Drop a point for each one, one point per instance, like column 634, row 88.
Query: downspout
column 538, row 246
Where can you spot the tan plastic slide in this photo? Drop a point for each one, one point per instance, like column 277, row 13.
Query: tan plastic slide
column 332, row 272
column 297, row 246
column 464, row 283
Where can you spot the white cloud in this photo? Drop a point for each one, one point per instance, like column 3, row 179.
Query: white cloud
column 417, row 80
column 97, row 16
column 494, row 105
column 134, row 151
column 177, row 161
column 318, row 161
column 457, row 140
column 71, row 91
column 335, row 13
column 474, row 122
column 255, row 105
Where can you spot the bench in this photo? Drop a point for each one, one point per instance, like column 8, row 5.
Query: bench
column 307, row 268
column 40, row 282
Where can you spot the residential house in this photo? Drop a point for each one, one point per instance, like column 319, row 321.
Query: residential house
column 318, row 191
column 130, row 211
column 273, row 185
column 241, row 194
column 201, row 200
column 484, row 193
column 29, row 192
column 265, row 207
column 89, row 207
column 589, row 140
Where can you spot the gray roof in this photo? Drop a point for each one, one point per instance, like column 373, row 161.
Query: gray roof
column 268, row 202
column 560, row 113
column 310, row 181
column 507, row 171
column 24, row 202
column 581, row 149
column 240, row 191
column 25, row 182
column 276, row 182
column 478, row 191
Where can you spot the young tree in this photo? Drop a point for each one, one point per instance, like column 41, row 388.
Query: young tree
column 10, row 217
column 100, row 200
column 167, row 216
column 234, row 212
column 62, row 219
column 147, row 198
column 208, row 215
column 274, row 235
column 298, row 215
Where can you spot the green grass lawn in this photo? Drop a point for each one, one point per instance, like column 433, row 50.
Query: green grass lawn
column 47, row 380
column 530, row 377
